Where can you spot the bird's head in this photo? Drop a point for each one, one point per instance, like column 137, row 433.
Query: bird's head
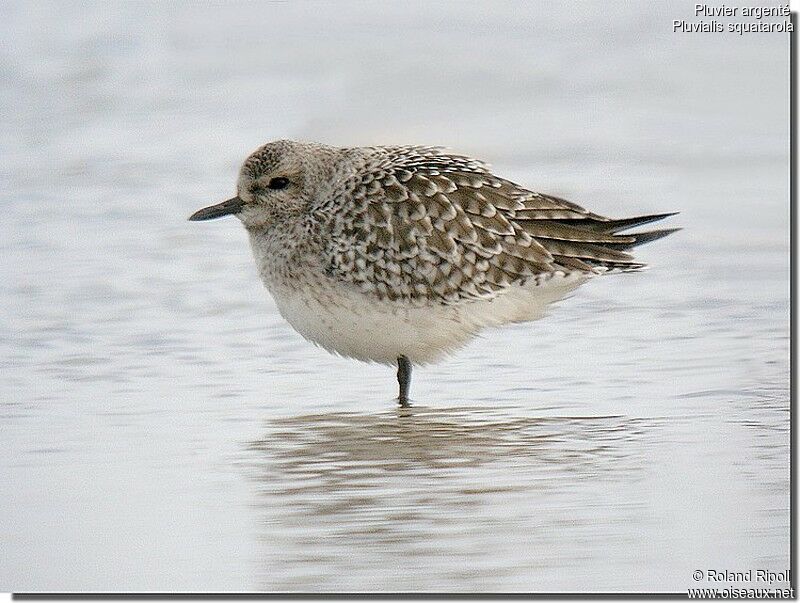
column 278, row 181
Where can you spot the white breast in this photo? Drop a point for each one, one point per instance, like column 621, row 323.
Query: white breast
column 348, row 323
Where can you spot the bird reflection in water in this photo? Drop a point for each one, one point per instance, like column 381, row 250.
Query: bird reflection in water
column 348, row 495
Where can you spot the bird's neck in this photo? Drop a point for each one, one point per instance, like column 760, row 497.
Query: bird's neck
column 282, row 251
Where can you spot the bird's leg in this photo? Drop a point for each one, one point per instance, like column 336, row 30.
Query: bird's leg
column 404, row 379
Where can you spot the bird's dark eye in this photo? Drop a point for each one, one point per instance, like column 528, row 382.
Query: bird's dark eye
column 278, row 183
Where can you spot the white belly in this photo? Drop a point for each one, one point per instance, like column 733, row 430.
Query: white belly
column 348, row 323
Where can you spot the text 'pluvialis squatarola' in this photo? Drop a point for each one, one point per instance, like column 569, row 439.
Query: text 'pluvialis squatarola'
column 401, row 254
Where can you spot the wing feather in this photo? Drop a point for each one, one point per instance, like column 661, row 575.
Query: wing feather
column 424, row 225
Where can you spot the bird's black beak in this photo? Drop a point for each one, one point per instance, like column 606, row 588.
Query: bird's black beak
column 226, row 208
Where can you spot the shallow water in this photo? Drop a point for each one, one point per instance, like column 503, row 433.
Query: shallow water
column 164, row 428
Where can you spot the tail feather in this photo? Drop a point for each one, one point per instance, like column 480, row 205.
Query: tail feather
column 612, row 226
column 603, row 248
column 645, row 237
column 579, row 240
column 626, row 223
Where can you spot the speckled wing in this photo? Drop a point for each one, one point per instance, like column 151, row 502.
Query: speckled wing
column 421, row 225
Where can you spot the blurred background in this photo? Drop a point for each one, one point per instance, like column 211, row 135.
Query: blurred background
column 164, row 429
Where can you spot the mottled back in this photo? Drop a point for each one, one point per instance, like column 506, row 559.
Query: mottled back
column 417, row 224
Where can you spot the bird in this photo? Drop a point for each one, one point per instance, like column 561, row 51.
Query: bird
column 401, row 255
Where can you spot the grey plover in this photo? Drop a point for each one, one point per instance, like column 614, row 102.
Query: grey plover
column 401, row 254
